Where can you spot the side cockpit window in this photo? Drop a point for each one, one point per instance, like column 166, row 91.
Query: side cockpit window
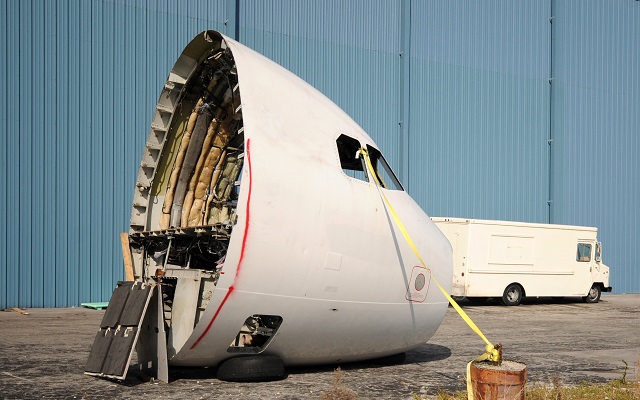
column 384, row 173
column 354, row 165
column 351, row 162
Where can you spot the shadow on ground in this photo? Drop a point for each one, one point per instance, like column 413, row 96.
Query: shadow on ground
column 496, row 302
column 423, row 354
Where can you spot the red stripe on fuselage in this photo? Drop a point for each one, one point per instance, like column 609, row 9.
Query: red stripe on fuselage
column 244, row 243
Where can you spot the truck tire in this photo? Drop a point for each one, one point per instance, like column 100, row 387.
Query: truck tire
column 252, row 369
column 512, row 295
column 594, row 294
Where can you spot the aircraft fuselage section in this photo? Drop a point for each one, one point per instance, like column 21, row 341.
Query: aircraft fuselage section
column 255, row 214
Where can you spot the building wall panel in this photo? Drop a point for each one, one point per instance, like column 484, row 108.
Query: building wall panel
column 82, row 79
column 25, row 150
column 4, row 153
column 331, row 45
column 456, row 93
column 13, row 156
column 479, row 109
column 48, row 193
column 596, row 93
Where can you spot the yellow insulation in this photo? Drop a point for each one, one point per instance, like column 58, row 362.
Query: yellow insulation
column 224, row 134
column 165, row 219
column 219, row 212
column 214, row 173
column 195, row 211
column 203, row 161
column 205, row 182
column 214, row 181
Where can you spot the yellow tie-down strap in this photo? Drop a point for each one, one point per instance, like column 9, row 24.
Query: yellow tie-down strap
column 492, row 353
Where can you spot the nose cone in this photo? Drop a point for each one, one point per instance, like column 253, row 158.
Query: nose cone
column 254, row 203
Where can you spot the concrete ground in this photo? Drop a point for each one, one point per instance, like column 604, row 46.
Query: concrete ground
column 42, row 355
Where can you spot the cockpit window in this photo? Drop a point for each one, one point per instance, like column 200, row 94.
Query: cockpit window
column 384, row 173
column 350, row 160
column 353, row 163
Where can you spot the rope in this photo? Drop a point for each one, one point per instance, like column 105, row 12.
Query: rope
column 492, row 353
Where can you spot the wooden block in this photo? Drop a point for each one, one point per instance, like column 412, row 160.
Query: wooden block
column 127, row 258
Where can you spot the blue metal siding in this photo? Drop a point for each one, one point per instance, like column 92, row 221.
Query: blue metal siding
column 456, row 94
column 83, row 265
column 36, row 174
column 48, row 272
column 366, row 24
column 479, row 112
column 81, row 80
column 331, row 45
column 596, row 93
column 4, row 154
column 26, row 121
column 13, row 159
column 510, row 37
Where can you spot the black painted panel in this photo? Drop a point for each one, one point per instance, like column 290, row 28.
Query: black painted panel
column 116, row 305
column 99, row 350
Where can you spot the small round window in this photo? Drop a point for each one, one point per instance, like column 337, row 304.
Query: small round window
column 420, row 281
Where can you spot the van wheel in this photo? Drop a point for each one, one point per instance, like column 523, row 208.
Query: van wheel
column 252, row 369
column 512, row 295
column 594, row 294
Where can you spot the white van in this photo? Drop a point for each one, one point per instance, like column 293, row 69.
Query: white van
column 511, row 260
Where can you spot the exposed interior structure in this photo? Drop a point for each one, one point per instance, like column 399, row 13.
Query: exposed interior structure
column 182, row 244
column 187, row 191
column 318, row 253
column 184, row 212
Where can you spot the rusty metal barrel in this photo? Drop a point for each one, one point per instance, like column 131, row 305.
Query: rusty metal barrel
column 498, row 382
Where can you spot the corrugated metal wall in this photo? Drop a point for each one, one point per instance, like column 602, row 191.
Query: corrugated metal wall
column 456, row 93
column 80, row 82
column 479, row 117
column 596, row 127
column 331, row 45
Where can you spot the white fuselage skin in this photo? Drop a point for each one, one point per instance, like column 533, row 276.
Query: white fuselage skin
column 313, row 245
